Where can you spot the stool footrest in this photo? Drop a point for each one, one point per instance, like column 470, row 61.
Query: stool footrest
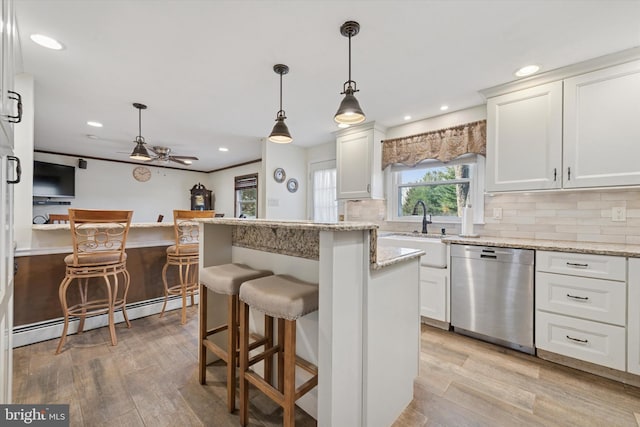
column 272, row 392
column 268, row 353
column 217, row 329
column 215, row 349
column 306, row 387
column 307, row 366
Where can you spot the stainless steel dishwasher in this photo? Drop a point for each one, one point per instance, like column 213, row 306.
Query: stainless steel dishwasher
column 492, row 295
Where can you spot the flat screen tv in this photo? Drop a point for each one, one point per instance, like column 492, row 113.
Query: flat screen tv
column 52, row 180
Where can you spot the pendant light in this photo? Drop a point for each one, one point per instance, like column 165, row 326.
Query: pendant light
column 349, row 112
column 280, row 133
column 140, row 151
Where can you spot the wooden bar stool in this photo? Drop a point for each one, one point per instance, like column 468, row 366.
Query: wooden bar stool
column 226, row 279
column 184, row 255
column 285, row 298
column 98, row 239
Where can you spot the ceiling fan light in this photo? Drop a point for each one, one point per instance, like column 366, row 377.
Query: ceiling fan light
column 349, row 111
column 280, row 133
column 140, row 153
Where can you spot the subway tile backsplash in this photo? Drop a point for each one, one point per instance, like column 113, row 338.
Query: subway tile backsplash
column 582, row 216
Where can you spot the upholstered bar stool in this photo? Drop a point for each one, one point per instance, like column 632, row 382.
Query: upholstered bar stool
column 98, row 239
column 226, row 279
column 287, row 299
column 184, row 254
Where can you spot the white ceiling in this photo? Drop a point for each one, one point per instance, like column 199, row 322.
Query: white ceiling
column 204, row 68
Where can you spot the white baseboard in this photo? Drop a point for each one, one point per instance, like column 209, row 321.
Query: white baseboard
column 43, row 331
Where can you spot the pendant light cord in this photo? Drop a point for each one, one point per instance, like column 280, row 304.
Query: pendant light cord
column 140, row 122
column 280, row 91
column 349, row 59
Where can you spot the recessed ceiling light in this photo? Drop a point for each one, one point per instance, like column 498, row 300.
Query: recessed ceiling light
column 444, row 107
column 46, row 41
column 407, row 117
column 223, row 149
column 527, row 70
column 343, row 125
column 90, row 136
column 94, row 124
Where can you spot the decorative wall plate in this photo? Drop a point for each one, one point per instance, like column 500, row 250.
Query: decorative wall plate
column 279, row 175
column 292, row 185
column 142, row 173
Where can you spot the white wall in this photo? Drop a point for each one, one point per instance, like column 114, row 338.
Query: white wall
column 455, row 118
column 222, row 183
column 278, row 202
column 110, row 185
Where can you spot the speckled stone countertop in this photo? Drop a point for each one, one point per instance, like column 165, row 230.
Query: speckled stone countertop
column 550, row 245
column 388, row 255
column 50, row 227
column 293, row 224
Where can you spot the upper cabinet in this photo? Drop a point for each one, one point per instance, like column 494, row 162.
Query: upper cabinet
column 359, row 162
column 524, row 139
column 10, row 101
column 579, row 132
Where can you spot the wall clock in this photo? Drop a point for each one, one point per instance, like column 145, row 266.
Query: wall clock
column 279, row 175
column 292, row 185
column 142, row 173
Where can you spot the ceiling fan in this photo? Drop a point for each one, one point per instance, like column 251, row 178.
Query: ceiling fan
column 140, row 151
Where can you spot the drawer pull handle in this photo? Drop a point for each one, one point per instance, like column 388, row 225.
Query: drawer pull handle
column 577, row 340
column 577, row 297
column 575, row 264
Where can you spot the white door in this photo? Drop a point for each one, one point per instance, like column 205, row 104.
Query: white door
column 524, row 139
column 7, row 172
column 322, row 198
column 601, row 132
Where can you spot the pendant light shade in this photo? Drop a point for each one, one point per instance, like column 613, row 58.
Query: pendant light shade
column 280, row 133
column 140, row 151
column 349, row 112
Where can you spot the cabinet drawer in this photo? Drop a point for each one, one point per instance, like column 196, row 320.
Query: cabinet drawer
column 585, row 265
column 592, row 299
column 581, row 339
column 433, row 293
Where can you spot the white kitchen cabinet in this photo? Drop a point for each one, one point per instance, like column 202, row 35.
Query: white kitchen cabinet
column 434, row 293
column 359, row 162
column 524, row 139
column 633, row 322
column 601, row 143
column 581, row 304
column 578, row 131
column 9, row 100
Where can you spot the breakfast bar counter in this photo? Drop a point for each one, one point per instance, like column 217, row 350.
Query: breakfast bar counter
column 365, row 336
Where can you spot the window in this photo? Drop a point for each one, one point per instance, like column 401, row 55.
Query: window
column 246, row 196
column 444, row 188
column 324, row 197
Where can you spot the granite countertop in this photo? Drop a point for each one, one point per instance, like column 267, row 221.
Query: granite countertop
column 51, row 227
column 388, row 255
column 293, row 224
column 617, row 249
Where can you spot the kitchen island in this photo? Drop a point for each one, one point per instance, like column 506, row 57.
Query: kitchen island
column 365, row 337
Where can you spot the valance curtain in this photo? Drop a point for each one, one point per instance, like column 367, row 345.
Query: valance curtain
column 443, row 144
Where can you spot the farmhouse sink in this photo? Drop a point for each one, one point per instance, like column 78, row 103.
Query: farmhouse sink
column 431, row 244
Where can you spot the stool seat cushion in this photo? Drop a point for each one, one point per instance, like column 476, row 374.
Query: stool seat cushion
column 281, row 296
column 95, row 258
column 227, row 278
column 184, row 250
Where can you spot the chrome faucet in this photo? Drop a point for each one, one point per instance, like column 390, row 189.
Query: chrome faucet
column 424, row 215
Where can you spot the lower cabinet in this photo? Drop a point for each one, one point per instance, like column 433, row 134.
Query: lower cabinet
column 633, row 325
column 581, row 307
column 434, row 293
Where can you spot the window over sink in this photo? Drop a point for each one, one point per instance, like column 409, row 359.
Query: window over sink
column 445, row 188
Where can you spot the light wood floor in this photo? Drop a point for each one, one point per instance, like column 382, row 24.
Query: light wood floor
column 465, row 382
column 150, row 379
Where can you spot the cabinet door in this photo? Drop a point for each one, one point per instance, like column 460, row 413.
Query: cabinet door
column 433, row 293
column 8, row 106
column 524, row 139
column 601, row 133
column 354, row 165
column 633, row 322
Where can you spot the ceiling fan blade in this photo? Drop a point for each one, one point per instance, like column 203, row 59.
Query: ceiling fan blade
column 182, row 162
column 184, row 157
column 150, row 148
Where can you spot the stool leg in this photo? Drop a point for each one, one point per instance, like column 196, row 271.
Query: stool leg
column 281, row 355
column 232, row 337
column 110, row 297
column 62, row 293
column 202, row 335
column 268, row 362
column 166, row 287
column 184, row 273
column 127, row 281
column 289, row 373
column 244, row 363
column 83, row 287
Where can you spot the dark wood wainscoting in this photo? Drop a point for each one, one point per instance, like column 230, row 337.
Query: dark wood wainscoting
column 38, row 278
